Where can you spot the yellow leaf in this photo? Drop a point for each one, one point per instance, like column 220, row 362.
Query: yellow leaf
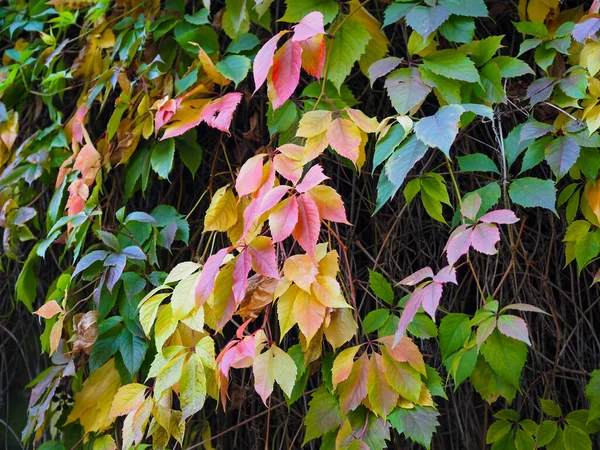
column 314, row 146
column 328, row 265
column 148, row 311
column 128, row 398
column 222, row 212
column 362, row 121
column 342, row 365
column 377, row 47
column 300, row 269
column 313, row 123
column 592, row 195
column 590, row 57
column 285, row 310
column 183, row 300
column 341, row 328
column 135, row 423
column 56, row 333
column 165, row 325
column 328, row 292
column 309, row 313
column 192, row 386
column 105, row 442
column 92, row 404
column 209, row 67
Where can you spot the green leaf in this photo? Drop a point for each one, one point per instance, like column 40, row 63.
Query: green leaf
column 381, row 287
column 441, row 129
column 283, row 118
column 574, row 438
column 496, row 430
column 524, row 441
column 189, row 150
column 514, row 146
column 536, row 29
column 592, row 392
column 199, row 18
column 296, row 9
column 396, row 11
column 347, row 47
column 455, row 329
column 458, row 29
column 242, row 43
column 323, row 414
column 533, row 192
column 561, row 155
column 477, row 162
column 406, row 89
column 547, row 432
column 490, row 384
column 162, row 157
column 26, row 287
column 471, row 8
column 234, row 67
column 461, row 364
column 512, row 67
column 434, row 383
column 452, row 64
column 386, row 145
column 417, row 424
column 133, row 351
column 535, row 153
column 506, row 356
column 375, row 320
column 483, row 50
column 551, row 408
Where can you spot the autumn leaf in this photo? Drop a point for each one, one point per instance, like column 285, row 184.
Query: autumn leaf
column 49, row 310
column 285, row 74
column 344, row 137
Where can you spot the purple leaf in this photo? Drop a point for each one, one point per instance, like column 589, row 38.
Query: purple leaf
column 88, row 260
column 206, row 283
column 540, row 90
column 534, row 130
column 585, row 29
column 382, row 67
column 484, row 238
column 504, row 216
column 514, row 327
column 116, row 262
column 470, row 206
column 417, row 277
column 134, row 252
column 458, row 243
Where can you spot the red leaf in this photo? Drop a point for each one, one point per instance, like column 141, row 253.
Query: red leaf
column 283, row 219
column 309, row 26
column 313, row 55
column 264, row 60
column 206, row 283
column 307, row 229
column 286, row 73
column 219, row 112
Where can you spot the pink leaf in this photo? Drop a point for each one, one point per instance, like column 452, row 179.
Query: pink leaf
column 308, row 227
column 484, row 238
column 446, row 275
column 499, row 216
column 272, row 197
column 458, row 243
column 286, row 73
column 206, row 283
column 514, row 327
column 288, row 167
column 267, row 181
column 241, row 268
column 166, row 108
column 264, row 259
column 250, row 176
column 264, row 60
column 470, row 206
column 309, row 26
column 313, row 177
column 283, row 219
column 413, row 305
column 417, row 277
column 219, row 112
column 431, row 295
column 345, row 138
column 251, row 213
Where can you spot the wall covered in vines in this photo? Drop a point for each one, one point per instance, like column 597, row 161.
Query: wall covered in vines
column 290, row 224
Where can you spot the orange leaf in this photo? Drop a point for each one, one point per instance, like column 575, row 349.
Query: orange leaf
column 313, row 55
column 308, row 227
column 344, row 137
column 49, row 310
column 309, row 313
column 353, row 390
